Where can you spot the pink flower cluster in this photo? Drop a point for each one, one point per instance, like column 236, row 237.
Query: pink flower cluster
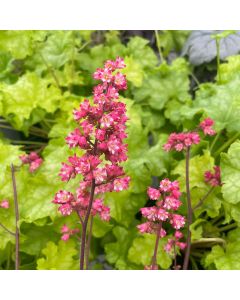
column 67, row 232
column 100, row 133
column 33, row 160
column 214, row 179
column 4, row 204
column 167, row 198
column 174, row 242
column 181, row 141
column 206, row 126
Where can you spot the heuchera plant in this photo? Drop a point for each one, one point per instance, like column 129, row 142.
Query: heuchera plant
column 183, row 142
column 167, row 198
column 100, row 132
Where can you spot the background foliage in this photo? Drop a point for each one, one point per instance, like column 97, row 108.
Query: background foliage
column 45, row 74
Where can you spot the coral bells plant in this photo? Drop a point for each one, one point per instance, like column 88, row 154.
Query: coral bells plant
column 183, row 142
column 167, row 202
column 100, row 133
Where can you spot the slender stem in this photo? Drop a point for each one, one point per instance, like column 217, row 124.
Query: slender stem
column 28, row 143
column 175, row 256
column 227, row 227
column 228, row 143
column 154, row 258
column 159, row 46
column 189, row 214
column 17, row 261
column 195, row 78
column 89, row 241
column 5, row 228
column 203, row 198
column 50, row 70
column 84, row 226
column 218, row 59
column 9, row 257
column 214, row 141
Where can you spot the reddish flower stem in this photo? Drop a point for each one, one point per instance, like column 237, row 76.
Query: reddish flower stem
column 154, row 258
column 89, row 241
column 84, row 226
column 190, row 212
column 203, row 198
column 17, row 259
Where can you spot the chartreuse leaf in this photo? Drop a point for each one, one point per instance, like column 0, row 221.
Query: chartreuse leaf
column 165, row 83
column 59, row 256
column 230, row 166
column 142, row 249
column 219, row 102
column 228, row 258
column 133, row 71
column 125, row 205
column 117, row 252
column 18, row 42
column 230, row 69
column 34, row 238
column 141, row 52
column 100, row 228
column 30, row 92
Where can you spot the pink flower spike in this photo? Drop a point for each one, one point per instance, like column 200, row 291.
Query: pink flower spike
column 4, row 204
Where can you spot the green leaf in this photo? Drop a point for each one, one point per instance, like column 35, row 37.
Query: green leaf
column 142, row 250
column 226, row 259
column 133, row 71
column 230, row 166
column 219, row 102
column 34, row 238
column 165, row 83
column 30, row 92
column 100, row 228
column 116, row 253
column 58, row 257
column 138, row 48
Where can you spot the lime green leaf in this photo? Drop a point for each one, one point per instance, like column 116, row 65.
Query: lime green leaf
column 142, row 250
column 116, row 253
column 221, row 103
column 230, row 166
column 34, row 238
column 133, row 71
column 226, row 259
column 30, row 92
column 58, row 257
column 100, row 228
column 165, row 83
column 141, row 52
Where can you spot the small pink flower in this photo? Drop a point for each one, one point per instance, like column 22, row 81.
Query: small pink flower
column 165, row 185
column 206, row 126
column 177, row 221
column 63, row 197
column 65, row 237
column 153, row 194
column 4, row 204
column 214, row 179
column 65, row 209
column 121, row 184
